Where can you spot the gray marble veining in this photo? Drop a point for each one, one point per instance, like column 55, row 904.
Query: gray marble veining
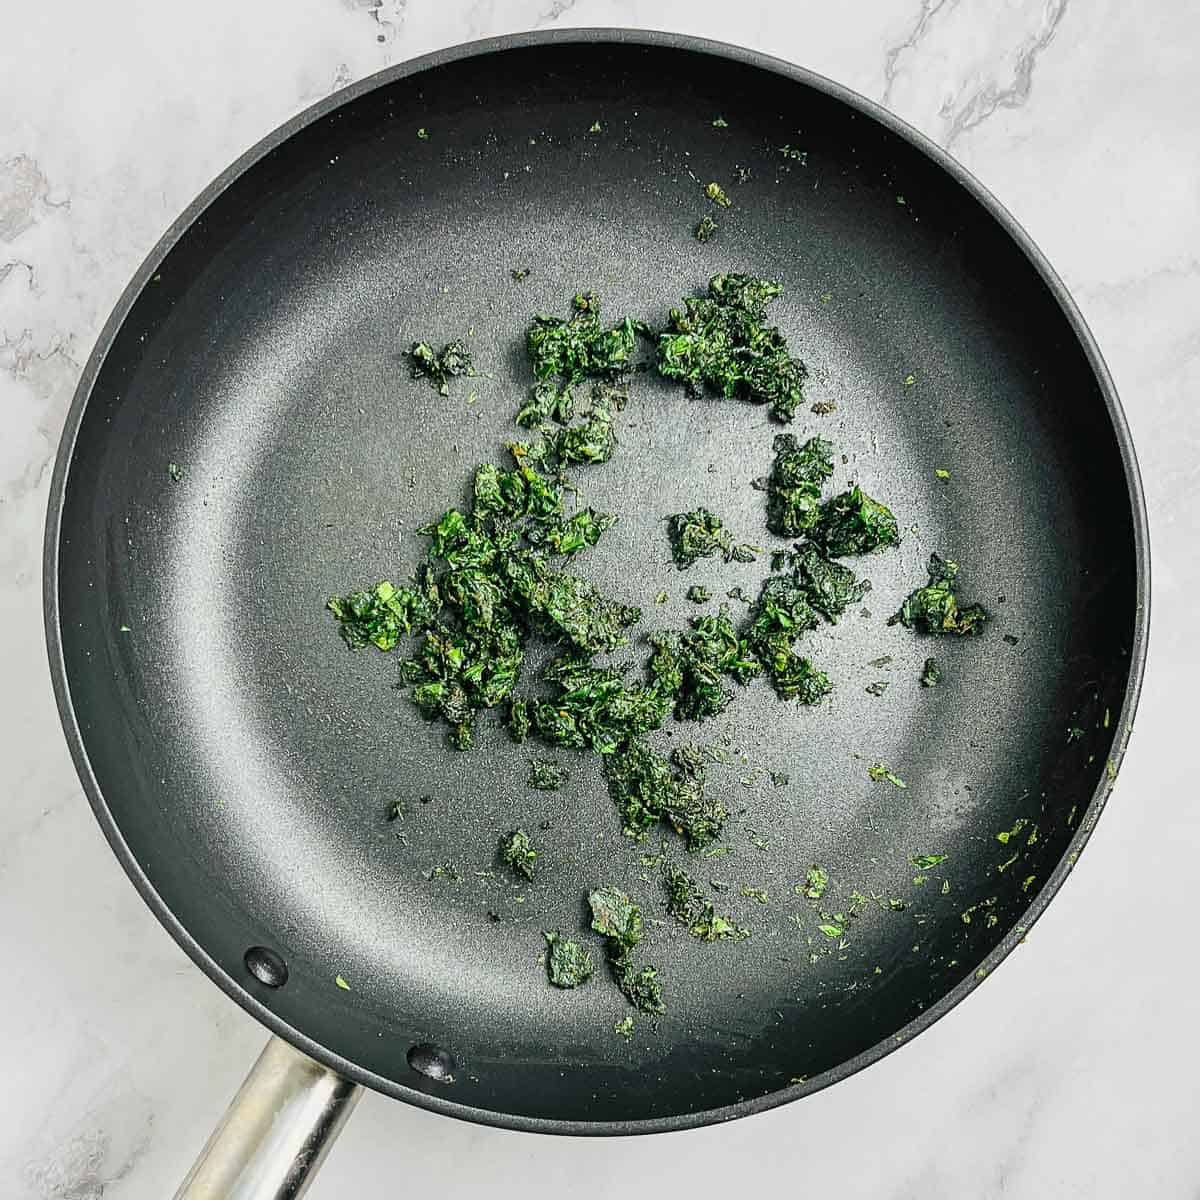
column 1070, row 1073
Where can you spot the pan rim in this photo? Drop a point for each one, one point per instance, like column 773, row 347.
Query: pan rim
column 318, row 111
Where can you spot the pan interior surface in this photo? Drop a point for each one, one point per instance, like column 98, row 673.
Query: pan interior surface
column 247, row 759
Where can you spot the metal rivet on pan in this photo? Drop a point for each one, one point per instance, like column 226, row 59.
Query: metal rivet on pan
column 266, row 966
column 432, row 1062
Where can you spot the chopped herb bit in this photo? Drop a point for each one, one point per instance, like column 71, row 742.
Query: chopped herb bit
column 698, row 594
column 175, row 471
column 565, row 352
column 853, row 523
column 945, row 887
column 624, row 1027
column 800, row 156
column 706, row 229
column 720, row 123
column 546, row 775
column 831, row 930
column 619, row 920
column 752, row 893
column 397, row 810
column 124, row 629
column 1074, row 733
column 942, row 473
column 815, row 883
column 519, row 721
column 822, row 408
column 446, row 870
column 661, row 598
column 688, row 667
column 594, row 127
column 918, row 880
column 1028, row 882
column 877, row 688
column 700, row 534
column 1110, row 769
column 383, row 615
column 780, row 778
column 880, row 771
column 935, row 608
column 439, row 368
column 1011, row 639
column 423, row 134
column 716, row 193
column 880, row 663
column 520, row 274
column 517, row 852
column 793, row 504
column 1005, row 834
column 341, row 983
column 926, row 862
column 688, row 905
column 931, row 673
column 719, row 340
column 568, row 964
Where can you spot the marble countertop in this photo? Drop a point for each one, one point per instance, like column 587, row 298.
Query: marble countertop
column 1071, row 1072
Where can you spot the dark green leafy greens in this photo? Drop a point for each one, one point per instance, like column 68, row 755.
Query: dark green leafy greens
column 563, row 353
column 690, row 666
column 619, row 920
column 794, row 486
column 719, row 340
column 934, row 608
column 517, row 852
column 692, row 909
column 931, row 673
column 567, row 962
column 439, row 368
column 546, row 775
column 853, row 523
column 701, row 534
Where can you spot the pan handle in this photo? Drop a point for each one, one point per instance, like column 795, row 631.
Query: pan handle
column 276, row 1132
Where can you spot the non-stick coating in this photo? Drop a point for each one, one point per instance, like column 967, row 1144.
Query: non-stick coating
column 243, row 760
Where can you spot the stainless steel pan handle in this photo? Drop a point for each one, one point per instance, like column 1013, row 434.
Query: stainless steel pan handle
column 275, row 1133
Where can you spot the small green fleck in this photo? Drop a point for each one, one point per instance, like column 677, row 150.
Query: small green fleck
column 877, row 688
column 1110, row 769
column 706, row 229
column 520, row 274
column 800, row 156
column 661, row 598
column 423, row 134
column 720, row 123
column 831, row 930
column 716, row 193
column 815, row 883
column 880, row 771
column 517, row 852
column 798, row 1079
column 698, row 594
column 780, row 778
column 1074, row 733
column 1008, row 862
column 1028, row 882
column 568, row 964
column 124, row 629
column 624, row 1027
column 826, row 297
column 931, row 673
column 945, row 887
column 1003, row 836
column 926, row 862
column 942, row 473
column 595, row 127
column 901, row 200
column 341, row 983
column 175, row 471
column 918, row 880
column 910, row 380
column 1107, row 718
column 752, row 893
column 545, row 775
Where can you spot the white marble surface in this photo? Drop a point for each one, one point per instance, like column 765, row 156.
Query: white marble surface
column 1072, row 1071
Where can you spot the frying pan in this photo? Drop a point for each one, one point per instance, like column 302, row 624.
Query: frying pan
column 241, row 761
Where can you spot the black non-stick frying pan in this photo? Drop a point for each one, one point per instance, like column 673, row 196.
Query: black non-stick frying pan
column 241, row 760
